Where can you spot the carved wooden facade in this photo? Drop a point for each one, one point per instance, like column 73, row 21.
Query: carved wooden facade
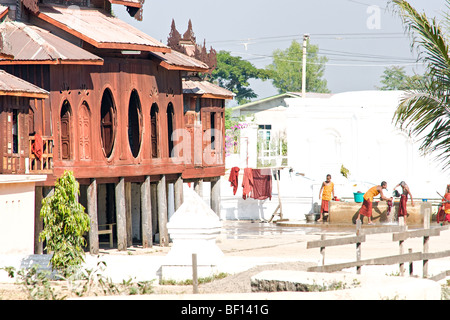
column 116, row 113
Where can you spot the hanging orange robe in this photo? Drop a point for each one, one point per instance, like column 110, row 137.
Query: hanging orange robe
column 37, row 146
column 234, row 178
column 247, row 183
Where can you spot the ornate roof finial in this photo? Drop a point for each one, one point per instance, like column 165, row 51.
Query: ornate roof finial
column 189, row 34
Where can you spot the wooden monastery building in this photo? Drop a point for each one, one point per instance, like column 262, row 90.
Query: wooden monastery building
column 126, row 113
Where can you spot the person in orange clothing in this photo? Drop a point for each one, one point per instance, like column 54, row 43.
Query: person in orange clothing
column 366, row 208
column 444, row 212
column 404, row 199
column 326, row 193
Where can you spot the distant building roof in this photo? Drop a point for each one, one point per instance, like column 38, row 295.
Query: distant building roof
column 3, row 11
column 13, row 86
column 128, row 3
column 205, row 89
column 29, row 44
column 178, row 61
column 99, row 28
column 283, row 96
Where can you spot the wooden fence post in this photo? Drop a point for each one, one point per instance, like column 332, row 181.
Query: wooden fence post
column 401, row 265
column 410, row 265
column 358, row 245
column 194, row 273
column 425, row 261
column 322, row 250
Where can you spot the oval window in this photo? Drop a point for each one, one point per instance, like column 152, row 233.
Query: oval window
column 134, row 123
column 170, row 128
column 108, row 119
column 154, row 129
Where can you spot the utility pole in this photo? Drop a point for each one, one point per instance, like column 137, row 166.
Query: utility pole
column 305, row 40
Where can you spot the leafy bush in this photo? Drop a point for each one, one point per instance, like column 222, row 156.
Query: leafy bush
column 65, row 222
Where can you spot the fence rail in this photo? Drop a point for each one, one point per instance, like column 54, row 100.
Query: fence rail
column 399, row 234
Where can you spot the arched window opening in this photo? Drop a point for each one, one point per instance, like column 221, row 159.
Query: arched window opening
column 85, row 131
column 65, row 118
column 154, row 129
column 134, row 123
column 170, row 127
column 108, row 119
column 213, row 130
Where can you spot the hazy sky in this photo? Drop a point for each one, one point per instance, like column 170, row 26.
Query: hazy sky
column 359, row 37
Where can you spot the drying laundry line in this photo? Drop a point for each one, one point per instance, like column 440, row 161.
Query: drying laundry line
column 257, row 184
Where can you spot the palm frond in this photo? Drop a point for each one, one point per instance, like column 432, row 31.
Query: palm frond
column 426, row 109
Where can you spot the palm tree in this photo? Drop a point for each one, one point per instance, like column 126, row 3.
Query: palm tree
column 426, row 109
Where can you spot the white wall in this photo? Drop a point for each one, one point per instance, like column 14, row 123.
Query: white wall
column 17, row 213
column 356, row 129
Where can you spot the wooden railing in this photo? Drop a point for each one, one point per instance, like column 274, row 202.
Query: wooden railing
column 46, row 164
column 397, row 235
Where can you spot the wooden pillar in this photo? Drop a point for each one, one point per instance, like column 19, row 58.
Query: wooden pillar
column 92, row 211
column 215, row 195
column 38, row 223
column 129, row 223
column 162, row 212
column 121, row 215
column 154, row 204
column 146, row 214
column 47, row 192
column 179, row 198
column 198, row 187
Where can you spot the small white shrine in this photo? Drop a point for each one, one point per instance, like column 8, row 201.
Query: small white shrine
column 193, row 228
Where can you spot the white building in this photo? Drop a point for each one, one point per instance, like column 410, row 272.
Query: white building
column 356, row 129
column 324, row 132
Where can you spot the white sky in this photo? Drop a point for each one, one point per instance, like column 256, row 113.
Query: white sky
column 358, row 39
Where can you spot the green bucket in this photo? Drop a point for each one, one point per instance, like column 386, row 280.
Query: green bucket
column 359, row 196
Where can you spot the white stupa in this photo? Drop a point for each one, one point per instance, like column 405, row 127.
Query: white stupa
column 193, row 228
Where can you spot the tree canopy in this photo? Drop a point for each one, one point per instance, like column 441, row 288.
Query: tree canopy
column 395, row 78
column 286, row 69
column 233, row 73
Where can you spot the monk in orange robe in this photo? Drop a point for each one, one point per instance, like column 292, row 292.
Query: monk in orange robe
column 366, row 208
column 444, row 212
column 326, row 193
column 404, row 199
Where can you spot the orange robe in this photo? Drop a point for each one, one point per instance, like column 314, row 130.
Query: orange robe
column 234, row 178
column 247, row 183
column 366, row 208
column 444, row 212
column 37, row 146
column 402, row 206
column 326, row 197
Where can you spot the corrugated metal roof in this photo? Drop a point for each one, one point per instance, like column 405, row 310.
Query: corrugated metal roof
column 13, row 86
column 3, row 11
column 178, row 61
column 129, row 3
column 99, row 28
column 205, row 88
column 31, row 44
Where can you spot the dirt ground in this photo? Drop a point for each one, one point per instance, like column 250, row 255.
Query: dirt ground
column 236, row 283
column 247, row 239
column 256, row 240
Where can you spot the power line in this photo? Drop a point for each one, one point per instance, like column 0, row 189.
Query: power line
column 360, row 35
column 372, row 63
